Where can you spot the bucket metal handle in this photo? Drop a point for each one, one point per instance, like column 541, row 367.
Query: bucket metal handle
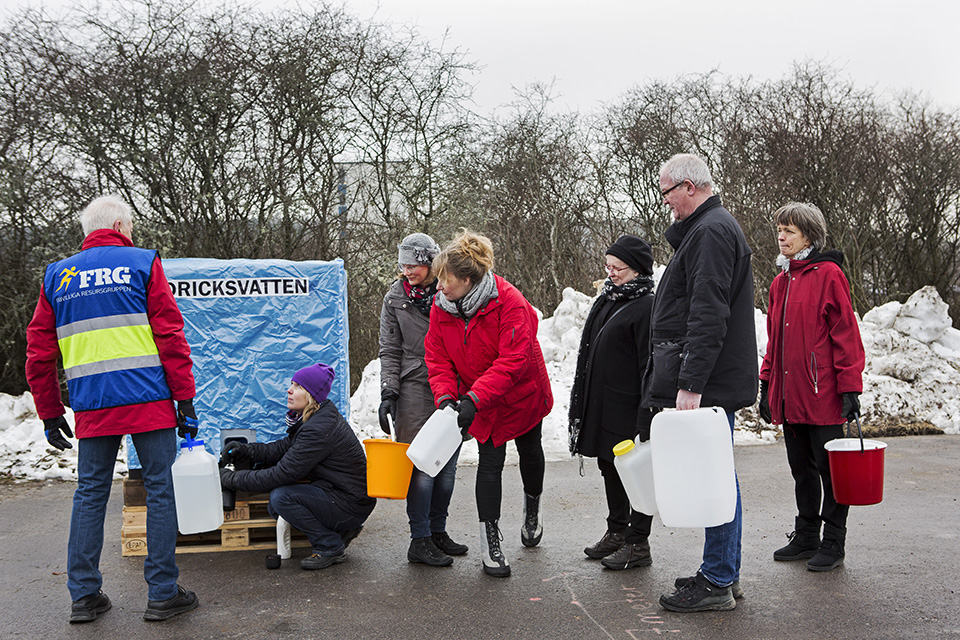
column 856, row 419
column 392, row 435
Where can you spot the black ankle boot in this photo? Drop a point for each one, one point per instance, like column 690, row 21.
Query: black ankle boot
column 423, row 550
column 609, row 543
column 804, row 541
column 828, row 557
column 532, row 529
column 446, row 544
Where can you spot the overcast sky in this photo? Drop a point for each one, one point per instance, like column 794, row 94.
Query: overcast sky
column 595, row 50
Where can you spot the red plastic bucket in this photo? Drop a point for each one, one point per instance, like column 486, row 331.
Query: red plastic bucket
column 856, row 470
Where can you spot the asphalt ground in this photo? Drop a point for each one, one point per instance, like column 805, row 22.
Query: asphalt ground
column 901, row 578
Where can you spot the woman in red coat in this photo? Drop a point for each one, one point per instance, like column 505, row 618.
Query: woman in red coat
column 483, row 358
column 810, row 380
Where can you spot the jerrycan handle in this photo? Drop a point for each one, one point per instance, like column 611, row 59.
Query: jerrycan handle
column 192, row 423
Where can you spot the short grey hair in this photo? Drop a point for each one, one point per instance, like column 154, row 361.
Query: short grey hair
column 103, row 212
column 686, row 166
column 807, row 218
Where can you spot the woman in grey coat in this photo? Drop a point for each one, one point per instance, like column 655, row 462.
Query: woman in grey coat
column 406, row 397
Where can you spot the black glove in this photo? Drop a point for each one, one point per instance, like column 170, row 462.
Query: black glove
column 447, row 403
column 52, row 429
column 466, row 412
column 764, row 408
column 187, row 419
column 226, row 478
column 851, row 405
column 233, row 451
column 387, row 406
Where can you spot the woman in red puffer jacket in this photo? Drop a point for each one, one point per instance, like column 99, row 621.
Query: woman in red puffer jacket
column 483, row 358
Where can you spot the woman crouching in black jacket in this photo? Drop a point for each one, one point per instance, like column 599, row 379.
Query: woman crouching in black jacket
column 320, row 447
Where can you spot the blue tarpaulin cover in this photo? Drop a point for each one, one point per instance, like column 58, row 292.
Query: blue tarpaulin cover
column 251, row 324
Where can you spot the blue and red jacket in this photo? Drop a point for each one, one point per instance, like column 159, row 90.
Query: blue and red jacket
column 109, row 314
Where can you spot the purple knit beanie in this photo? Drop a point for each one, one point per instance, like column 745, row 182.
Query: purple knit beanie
column 316, row 379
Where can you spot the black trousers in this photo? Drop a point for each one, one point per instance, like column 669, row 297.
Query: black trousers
column 810, row 467
column 490, row 471
column 621, row 518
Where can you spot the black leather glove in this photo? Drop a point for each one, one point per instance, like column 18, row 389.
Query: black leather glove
column 233, row 451
column 851, row 405
column 764, row 408
column 226, row 478
column 187, row 419
column 52, row 428
column 466, row 412
column 447, row 403
column 388, row 405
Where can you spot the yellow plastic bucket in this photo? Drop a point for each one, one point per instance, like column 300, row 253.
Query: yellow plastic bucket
column 388, row 468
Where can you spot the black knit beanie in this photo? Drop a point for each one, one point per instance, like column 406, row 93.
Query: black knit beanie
column 636, row 252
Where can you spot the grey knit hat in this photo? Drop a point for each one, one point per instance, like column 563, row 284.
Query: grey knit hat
column 417, row 248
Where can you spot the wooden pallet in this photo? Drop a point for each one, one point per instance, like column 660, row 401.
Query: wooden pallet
column 247, row 527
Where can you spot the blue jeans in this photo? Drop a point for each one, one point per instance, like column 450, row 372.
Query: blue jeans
column 95, row 461
column 721, row 545
column 312, row 511
column 428, row 499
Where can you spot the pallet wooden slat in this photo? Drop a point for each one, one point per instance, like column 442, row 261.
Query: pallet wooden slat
column 247, row 527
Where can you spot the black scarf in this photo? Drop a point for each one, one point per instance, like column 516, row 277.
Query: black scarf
column 637, row 287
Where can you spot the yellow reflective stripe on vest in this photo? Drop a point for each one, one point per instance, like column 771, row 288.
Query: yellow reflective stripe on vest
column 93, row 350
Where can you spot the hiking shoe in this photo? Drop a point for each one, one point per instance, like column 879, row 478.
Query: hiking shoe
column 829, row 556
column 735, row 588
column 87, row 608
column 445, row 543
column 317, row 561
column 609, row 543
column 801, row 545
column 184, row 601
column 629, row 556
column 423, row 550
column 699, row 595
column 348, row 536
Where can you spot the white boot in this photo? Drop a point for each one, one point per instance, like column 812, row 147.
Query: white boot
column 494, row 562
column 532, row 529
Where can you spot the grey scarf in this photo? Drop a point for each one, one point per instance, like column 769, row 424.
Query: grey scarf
column 467, row 306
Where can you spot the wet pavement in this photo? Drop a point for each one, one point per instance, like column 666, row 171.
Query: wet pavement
column 900, row 579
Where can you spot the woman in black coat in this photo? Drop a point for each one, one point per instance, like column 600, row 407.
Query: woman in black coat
column 605, row 399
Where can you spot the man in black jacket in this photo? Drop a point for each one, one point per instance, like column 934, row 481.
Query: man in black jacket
column 704, row 347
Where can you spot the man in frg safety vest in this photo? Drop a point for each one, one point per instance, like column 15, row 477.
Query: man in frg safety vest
column 109, row 314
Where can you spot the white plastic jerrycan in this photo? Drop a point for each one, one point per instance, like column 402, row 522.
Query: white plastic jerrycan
column 437, row 440
column 693, row 474
column 196, row 489
column 634, row 464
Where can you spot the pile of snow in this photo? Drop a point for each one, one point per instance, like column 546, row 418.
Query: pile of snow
column 913, row 363
column 912, row 375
